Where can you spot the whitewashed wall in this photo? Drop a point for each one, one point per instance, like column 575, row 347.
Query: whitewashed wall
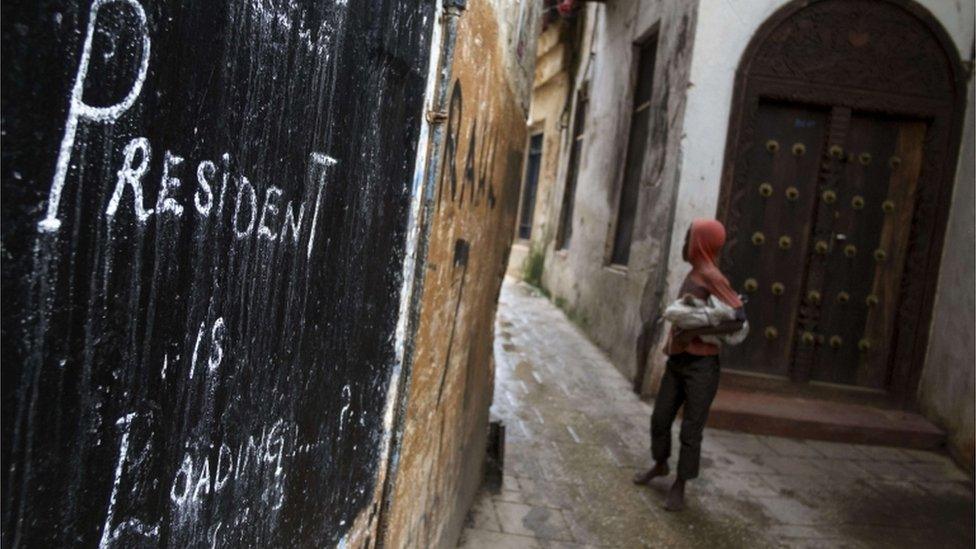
column 946, row 389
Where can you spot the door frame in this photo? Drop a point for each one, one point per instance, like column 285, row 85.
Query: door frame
column 535, row 128
column 942, row 109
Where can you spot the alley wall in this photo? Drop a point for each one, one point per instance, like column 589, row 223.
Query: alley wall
column 614, row 304
column 439, row 464
column 551, row 90
column 947, row 385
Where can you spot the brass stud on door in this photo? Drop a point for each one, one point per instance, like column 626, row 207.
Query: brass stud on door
column 836, row 341
column 799, row 149
column 808, row 338
column 829, row 197
column 785, row 243
column 778, row 288
column 765, row 190
column 894, row 162
column 771, row 332
column 871, row 300
column 857, row 202
column 864, row 345
column 821, row 247
column 887, row 206
column 772, row 146
column 792, row 193
column 864, row 158
column 758, row 238
column 750, row 285
column 837, row 151
column 843, row 297
column 850, row 250
column 880, row 255
column 813, row 296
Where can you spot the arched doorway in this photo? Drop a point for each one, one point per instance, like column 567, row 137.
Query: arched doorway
column 839, row 163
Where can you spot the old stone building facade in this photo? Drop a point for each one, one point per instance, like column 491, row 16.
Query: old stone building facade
column 834, row 139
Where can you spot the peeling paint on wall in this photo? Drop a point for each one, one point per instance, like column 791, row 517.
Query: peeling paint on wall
column 473, row 216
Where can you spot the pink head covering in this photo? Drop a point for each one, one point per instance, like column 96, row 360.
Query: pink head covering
column 705, row 240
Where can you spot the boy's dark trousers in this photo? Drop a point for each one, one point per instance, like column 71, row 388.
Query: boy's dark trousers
column 690, row 380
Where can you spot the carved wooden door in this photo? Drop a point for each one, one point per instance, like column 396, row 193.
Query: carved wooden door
column 818, row 236
column 841, row 316
column 772, row 210
column 860, row 240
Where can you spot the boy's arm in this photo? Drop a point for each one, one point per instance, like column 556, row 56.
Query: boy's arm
column 685, row 313
column 723, row 328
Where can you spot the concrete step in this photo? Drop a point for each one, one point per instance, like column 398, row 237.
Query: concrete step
column 797, row 417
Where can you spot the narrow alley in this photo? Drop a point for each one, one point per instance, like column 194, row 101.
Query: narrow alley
column 576, row 433
column 274, row 273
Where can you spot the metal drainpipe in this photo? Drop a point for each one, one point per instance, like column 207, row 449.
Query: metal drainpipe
column 436, row 118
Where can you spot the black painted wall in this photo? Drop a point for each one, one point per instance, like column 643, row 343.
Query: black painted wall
column 208, row 363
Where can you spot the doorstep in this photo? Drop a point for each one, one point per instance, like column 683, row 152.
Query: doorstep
column 797, row 417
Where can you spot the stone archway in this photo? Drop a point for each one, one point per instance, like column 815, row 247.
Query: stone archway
column 842, row 146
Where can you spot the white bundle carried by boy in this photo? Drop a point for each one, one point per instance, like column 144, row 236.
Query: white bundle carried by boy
column 689, row 312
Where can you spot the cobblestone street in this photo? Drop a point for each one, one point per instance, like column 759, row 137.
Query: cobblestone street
column 576, row 434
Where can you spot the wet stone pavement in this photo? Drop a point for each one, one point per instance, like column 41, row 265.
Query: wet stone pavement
column 576, row 434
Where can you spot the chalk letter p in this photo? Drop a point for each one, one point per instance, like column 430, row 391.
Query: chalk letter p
column 79, row 110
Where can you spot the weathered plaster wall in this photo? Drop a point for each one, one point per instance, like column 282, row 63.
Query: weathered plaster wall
column 440, row 463
column 947, row 386
column 204, row 225
column 613, row 304
column 549, row 99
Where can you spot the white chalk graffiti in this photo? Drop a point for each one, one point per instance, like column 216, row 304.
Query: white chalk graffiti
column 169, row 185
column 248, row 212
column 261, row 213
column 124, row 422
column 205, row 170
column 110, row 534
column 270, row 206
column 137, row 156
column 252, row 212
column 255, row 459
column 217, row 334
column 217, row 344
column 79, row 110
column 196, row 351
column 324, row 161
column 347, row 399
column 132, row 177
